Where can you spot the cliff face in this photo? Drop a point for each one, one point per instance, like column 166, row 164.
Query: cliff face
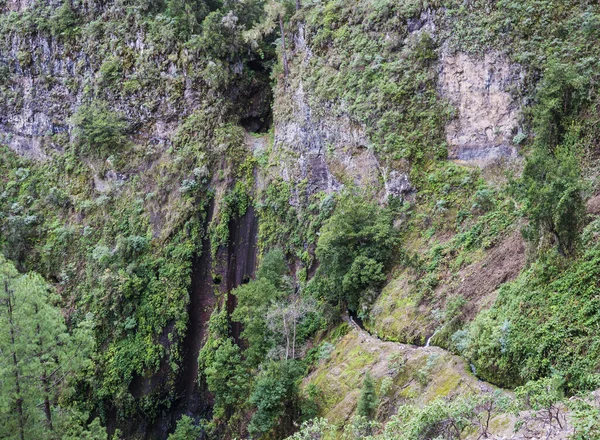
column 153, row 152
column 104, row 52
column 484, row 93
column 322, row 137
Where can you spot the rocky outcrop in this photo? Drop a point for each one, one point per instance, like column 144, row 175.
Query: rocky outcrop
column 322, row 149
column 44, row 79
column 51, row 84
column 487, row 112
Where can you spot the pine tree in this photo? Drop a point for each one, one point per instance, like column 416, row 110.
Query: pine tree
column 37, row 356
column 368, row 399
column 186, row 430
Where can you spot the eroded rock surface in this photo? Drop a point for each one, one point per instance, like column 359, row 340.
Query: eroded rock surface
column 315, row 147
column 487, row 112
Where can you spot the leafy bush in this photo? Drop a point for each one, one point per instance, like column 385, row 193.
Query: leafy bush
column 111, row 71
column 98, row 129
column 552, row 185
column 186, row 430
column 65, row 22
column 553, row 194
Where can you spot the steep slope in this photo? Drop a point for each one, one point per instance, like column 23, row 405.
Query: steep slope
column 421, row 166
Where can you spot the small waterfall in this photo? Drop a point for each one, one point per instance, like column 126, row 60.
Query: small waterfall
column 427, row 344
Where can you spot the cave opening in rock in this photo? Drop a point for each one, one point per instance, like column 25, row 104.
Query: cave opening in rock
column 258, row 124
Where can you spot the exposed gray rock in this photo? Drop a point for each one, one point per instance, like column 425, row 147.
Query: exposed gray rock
column 328, row 150
column 397, row 184
column 487, row 112
column 50, row 84
column 304, row 143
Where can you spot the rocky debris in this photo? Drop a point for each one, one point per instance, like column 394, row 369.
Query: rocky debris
column 487, row 112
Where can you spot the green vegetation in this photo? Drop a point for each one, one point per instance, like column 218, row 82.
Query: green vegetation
column 186, row 430
column 40, row 358
column 367, row 403
column 542, row 323
column 388, row 84
column 355, row 248
column 263, row 378
column 276, row 396
column 220, row 362
column 553, row 186
column 142, row 164
column 98, row 129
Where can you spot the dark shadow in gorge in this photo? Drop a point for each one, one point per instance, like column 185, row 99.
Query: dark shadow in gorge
column 212, row 278
column 242, row 250
column 232, row 266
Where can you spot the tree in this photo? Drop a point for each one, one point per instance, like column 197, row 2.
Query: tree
column 552, row 183
column 37, row 356
column 553, row 189
column 314, row 429
column 186, row 430
column 368, row 399
column 276, row 398
column 220, row 362
column 273, row 268
column 253, row 303
column 546, row 400
column 283, row 318
column 355, row 247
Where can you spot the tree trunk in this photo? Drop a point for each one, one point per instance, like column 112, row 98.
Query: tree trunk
column 44, row 377
column 286, row 70
column 294, row 340
column 298, row 5
column 47, row 410
column 287, row 338
column 19, row 401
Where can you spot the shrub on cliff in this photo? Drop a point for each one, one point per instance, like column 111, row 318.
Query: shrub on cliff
column 98, row 129
column 368, row 398
column 552, row 183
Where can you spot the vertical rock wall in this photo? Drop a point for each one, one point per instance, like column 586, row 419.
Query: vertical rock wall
column 487, row 113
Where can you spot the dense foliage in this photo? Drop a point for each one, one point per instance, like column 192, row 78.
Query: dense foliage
column 39, row 358
column 355, row 248
column 147, row 167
